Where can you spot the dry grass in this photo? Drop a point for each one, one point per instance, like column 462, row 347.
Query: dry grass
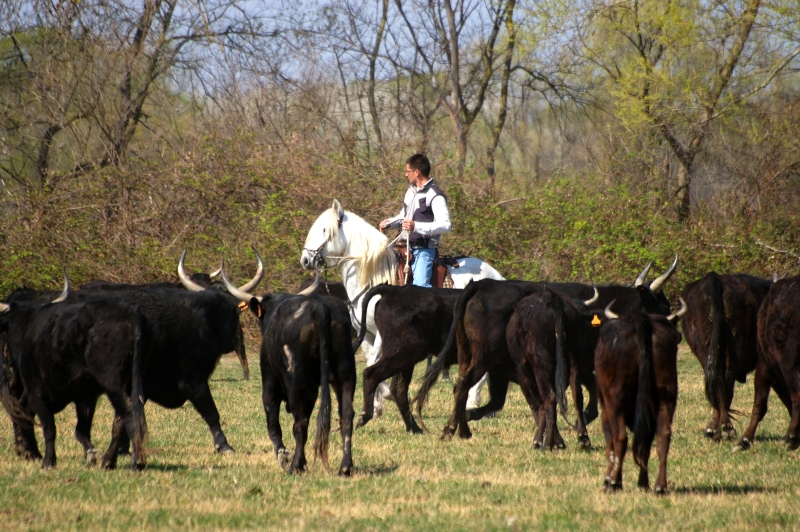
column 494, row 481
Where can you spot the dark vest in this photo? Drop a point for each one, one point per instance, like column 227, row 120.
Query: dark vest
column 423, row 212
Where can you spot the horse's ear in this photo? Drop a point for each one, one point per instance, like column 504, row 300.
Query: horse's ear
column 339, row 211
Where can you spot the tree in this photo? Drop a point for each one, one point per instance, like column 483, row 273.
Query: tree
column 677, row 66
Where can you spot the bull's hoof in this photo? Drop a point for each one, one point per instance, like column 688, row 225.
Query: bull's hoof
column 709, row 433
column 792, row 444
column 108, row 464
column 491, row 415
column 31, row 456
column 660, row 491
column 743, row 445
column 613, row 488
column 361, row 421
column 414, row 429
column 729, row 433
column 537, row 444
column 584, row 442
column 224, row 448
column 447, row 433
column 284, row 460
column 445, row 378
column 345, row 471
column 590, row 415
column 91, row 457
column 46, row 465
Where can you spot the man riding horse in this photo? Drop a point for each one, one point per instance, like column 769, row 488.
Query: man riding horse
column 424, row 218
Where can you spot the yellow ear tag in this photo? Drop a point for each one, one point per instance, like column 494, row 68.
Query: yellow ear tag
column 596, row 321
column 259, row 311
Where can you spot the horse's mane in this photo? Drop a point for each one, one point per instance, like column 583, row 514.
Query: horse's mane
column 366, row 247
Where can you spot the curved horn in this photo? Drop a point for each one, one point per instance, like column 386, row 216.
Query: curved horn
column 642, row 276
column 185, row 281
column 216, row 272
column 4, row 307
column 259, row 274
column 610, row 315
column 594, row 298
column 310, row 290
column 236, row 292
column 657, row 285
column 65, row 292
column 680, row 312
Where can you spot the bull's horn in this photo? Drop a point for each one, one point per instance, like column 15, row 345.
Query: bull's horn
column 594, row 298
column 310, row 290
column 776, row 277
column 610, row 315
column 216, row 272
column 185, row 281
column 680, row 312
column 4, row 307
column 65, row 292
column 236, row 292
column 658, row 284
column 259, row 274
column 642, row 276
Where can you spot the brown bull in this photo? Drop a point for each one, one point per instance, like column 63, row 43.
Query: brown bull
column 779, row 359
column 637, row 377
column 720, row 328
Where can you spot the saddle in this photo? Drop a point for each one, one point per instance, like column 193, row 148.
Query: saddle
column 440, row 274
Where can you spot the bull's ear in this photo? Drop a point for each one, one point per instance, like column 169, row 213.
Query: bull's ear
column 255, row 307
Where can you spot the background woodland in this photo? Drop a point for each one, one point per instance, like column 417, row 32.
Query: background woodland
column 575, row 140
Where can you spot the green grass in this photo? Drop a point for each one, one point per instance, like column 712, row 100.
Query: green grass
column 493, row 481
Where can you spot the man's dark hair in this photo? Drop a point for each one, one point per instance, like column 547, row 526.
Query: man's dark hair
column 420, row 162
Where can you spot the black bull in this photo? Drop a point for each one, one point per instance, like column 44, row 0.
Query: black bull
column 191, row 331
column 305, row 347
column 721, row 329
column 478, row 331
column 62, row 353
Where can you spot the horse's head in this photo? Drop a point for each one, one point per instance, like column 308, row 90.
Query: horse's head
column 326, row 242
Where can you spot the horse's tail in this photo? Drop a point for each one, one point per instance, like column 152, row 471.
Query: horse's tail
column 433, row 371
column 644, row 418
column 375, row 291
column 322, row 317
column 716, row 361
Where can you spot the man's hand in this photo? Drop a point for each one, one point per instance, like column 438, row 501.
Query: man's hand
column 408, row 225
column 382, row 226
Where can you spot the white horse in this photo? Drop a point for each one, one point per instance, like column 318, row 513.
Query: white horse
column 366, row 259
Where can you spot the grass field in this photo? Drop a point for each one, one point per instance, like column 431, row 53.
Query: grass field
column 493, row 481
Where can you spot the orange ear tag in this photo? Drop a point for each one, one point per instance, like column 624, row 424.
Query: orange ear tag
column 596, row 321
column 242, row 306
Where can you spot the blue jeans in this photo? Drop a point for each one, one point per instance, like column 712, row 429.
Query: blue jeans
column 422, row 267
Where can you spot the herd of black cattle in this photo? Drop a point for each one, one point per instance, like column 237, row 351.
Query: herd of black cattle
column 162, row 341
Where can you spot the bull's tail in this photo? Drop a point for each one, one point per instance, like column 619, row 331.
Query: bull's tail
column 644, row 419
column 143, row 342
column 433, row 371
column 375, row 291
column 562, row 364
column 9, row 402
column 716, row 362
column 322, row 317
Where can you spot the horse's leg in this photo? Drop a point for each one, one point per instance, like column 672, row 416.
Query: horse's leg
column 498, row 389
column 474, row 400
